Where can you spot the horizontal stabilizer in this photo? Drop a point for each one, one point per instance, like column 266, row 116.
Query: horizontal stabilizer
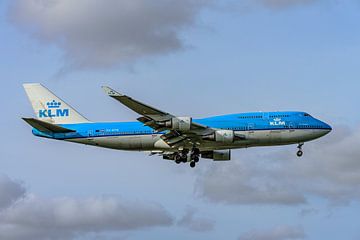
column 50, row 108
column 46, row 127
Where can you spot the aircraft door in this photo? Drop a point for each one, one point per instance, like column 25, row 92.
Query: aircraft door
column 251, row 128
column 90, row 140
column 291, row 127
column 91, row 133
column 266, row 115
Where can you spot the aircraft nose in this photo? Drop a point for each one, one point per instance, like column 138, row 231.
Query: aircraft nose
column 327, row 128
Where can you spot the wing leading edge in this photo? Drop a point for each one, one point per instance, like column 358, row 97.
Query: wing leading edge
column 179, row 130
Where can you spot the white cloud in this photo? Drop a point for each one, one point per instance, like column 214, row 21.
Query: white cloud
column 101, row 34
column 37, row 218
column 328, row 170
column 277, row 233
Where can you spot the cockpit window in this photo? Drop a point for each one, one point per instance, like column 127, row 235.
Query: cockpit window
column 307, row 115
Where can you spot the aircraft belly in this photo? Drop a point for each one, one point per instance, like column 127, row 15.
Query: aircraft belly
column 252, row 139
column 138, row 142
column 300, row 135
column 288, row 136
column 268, row 138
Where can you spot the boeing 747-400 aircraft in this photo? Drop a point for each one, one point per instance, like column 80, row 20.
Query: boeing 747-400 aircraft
column 181, row 139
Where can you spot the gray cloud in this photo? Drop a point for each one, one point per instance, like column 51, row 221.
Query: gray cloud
column 96, row 34
column 10, row 191
column 194, row 223
column 284, row 3
column 246, row 183
column 308, row 211
column 277, row 233
column 329, row 170
column 32, row 217
column 99, row 35
column 247, row 6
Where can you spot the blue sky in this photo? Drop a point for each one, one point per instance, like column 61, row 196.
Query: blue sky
column 206, row 58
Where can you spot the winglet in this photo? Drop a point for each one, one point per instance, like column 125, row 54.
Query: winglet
column 111, row 92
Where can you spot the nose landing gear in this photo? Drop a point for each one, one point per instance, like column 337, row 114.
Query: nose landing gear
column 300, row 152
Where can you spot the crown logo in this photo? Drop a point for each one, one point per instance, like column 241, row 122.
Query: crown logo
column 277, row 119
column 53, row 104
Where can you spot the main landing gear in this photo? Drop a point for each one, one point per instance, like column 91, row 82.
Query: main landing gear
column 184, row 157
column 194, row 157
column 181, row 157
column 300, row 152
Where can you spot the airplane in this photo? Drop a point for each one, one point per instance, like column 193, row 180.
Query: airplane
column 180, row 139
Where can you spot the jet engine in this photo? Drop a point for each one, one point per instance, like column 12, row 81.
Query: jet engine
column 224, row 136
column 217, row 155
column 178, row 123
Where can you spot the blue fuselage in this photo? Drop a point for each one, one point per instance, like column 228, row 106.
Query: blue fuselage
column 259, row 128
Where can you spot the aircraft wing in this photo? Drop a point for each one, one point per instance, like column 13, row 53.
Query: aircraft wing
column 163, row 121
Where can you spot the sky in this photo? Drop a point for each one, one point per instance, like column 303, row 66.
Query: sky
column 191, row 58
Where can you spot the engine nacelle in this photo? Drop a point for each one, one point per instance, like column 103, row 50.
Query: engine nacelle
column 180, row 123
column 217, row 155
column 223, row 136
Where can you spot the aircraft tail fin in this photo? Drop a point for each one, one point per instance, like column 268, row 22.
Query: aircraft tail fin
column 49, row 108
column 46, row 127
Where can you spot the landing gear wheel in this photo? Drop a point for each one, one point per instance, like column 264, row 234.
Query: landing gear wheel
column 196, row 159
column 299, row 153
column 177, row 158
column 184, row 155
column 192, row 164
column 195, row 152
column 177, row 161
